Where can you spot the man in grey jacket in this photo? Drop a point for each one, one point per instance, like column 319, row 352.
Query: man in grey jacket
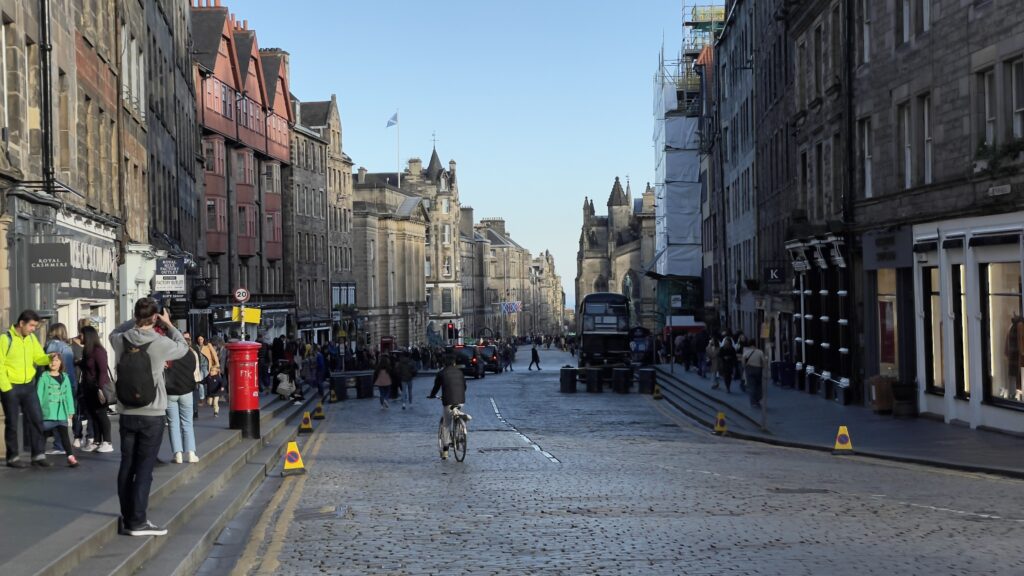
column 141, row 428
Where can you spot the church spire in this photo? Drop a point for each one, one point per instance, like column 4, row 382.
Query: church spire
column 434, row 168
column 618, row 196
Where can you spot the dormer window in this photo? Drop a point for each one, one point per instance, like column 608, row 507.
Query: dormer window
column 444, row 184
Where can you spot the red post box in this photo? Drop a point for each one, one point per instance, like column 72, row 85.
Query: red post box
column 243, row 366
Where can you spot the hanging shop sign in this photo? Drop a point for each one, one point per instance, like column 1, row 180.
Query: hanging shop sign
column 170, row 276
column 888, row 249
column 49, row 263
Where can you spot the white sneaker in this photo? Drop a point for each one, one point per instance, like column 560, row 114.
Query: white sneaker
column 105, row 447
column 177, row 457
column 147, row 529
column 192, row 458
column 77, row 443
column 91, row 447
column 53, row 452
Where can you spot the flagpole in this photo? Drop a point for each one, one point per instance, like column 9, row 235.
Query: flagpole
column 398, row 147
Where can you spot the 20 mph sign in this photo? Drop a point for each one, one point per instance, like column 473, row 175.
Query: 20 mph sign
column 241, row 295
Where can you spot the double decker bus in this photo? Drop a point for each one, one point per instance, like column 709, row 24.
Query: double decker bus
column 602, row 329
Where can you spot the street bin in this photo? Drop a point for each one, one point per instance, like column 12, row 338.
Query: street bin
column 880, row 394
column 606, row 376
column 567, row 380
column 622, row 378
column 339, row 385
column 646, row 380
column 812, row 383
column 364, row 388
column 244, row 396
column 593, row 380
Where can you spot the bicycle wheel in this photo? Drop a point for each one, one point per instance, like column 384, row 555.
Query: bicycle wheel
column 460, row 434
column 440, row 438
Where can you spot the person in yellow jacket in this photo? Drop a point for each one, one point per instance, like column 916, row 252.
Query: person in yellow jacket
column 20, row 355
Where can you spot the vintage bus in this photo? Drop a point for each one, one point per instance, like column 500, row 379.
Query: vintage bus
column 602, row 329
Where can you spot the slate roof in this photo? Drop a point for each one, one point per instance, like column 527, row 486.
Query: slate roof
column 434, row 168
column 378, row 179
column 207, row 25
column 243, row 47
column 407, row 207
column 499, row 240
column 638, row 205
column 315, row 113
column 271, row 69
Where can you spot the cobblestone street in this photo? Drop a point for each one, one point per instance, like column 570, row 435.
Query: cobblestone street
column 629, row 488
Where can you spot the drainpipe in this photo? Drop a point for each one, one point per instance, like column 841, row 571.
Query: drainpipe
column 851, row 181
column 46, row 82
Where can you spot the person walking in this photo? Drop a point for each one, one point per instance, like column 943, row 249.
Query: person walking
column 711, row 352
column 753, row 365
column 96, row 390
column 209, row 367
column 382, row 380
column 727, row 362
column 57, row 342
column 20, row 356
column 406, row 372
column 534, row 357
column 214, row 382
column 182, row 378
column 57, row 403
column 737, row 343
column 141, row 427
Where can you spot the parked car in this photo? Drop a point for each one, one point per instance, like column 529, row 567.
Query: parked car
column 470, row 360
column 491, row 358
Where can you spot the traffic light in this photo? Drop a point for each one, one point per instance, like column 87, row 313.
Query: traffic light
column 451, row 331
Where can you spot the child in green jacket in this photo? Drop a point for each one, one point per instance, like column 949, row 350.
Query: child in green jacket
column 58, row 403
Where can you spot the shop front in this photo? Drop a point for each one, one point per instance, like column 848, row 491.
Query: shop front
column 89, row 292
column 968, row 297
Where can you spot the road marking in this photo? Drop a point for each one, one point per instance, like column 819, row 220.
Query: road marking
column 525, row 438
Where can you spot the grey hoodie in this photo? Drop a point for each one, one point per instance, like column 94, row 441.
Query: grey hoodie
column 161, row 350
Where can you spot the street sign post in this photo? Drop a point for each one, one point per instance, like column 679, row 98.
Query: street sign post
column 242, row 296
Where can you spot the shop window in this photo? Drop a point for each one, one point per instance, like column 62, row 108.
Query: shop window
column 446, row 300
column 1003, row 330
column 960, row 340
column 888, row 352
column 933, row 324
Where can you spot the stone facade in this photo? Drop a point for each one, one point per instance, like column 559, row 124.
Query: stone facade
column 389, row 236
column 616, row 249
column 547, row 303
column 474, row 249
column 306, row 229
column 507, row 269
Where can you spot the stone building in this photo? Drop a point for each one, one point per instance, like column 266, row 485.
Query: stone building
column 816, row 238
column 389, row 240
column 245, row 116
column 324, row 118
column 616, row 250
column 507, row 269
column 548, row 299
column 306, row 211
column 939, row 203
column 474, row 249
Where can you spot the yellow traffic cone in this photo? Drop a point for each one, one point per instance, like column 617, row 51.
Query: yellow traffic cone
column 306, row 427
column 318, row 414
column 293, row 461
column 720, row 424
column 844, row 445
column 657, row 392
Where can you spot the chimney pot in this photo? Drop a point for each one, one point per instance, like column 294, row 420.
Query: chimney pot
column 245, row 24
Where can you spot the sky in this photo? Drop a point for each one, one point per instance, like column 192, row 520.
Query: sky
column 540, row 102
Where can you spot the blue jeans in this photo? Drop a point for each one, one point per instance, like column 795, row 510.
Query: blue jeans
column 141, row 437
column 385, row 391
column 407, row 392
column 179, row 419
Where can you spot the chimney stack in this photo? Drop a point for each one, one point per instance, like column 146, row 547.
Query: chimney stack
column 415, row 167
column 362, row 175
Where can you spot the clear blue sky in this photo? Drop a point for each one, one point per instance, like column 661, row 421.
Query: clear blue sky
column 540, row 102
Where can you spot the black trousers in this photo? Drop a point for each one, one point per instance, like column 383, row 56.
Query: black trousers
column 141, row 437
column 23, row 399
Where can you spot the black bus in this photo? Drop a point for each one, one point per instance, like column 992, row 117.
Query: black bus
column 602, row 329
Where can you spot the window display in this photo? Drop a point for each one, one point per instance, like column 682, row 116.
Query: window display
column 933, row 324
column 1001, row 282
column 887, row 341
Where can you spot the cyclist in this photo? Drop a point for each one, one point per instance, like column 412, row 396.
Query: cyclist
column 452, row 384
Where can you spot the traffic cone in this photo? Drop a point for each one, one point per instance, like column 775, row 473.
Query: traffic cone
column 844, row 445
column 293, row 461
column 318, row 414
column 334, row 396
column 720, row 424
column 657, row 392
column 306, row 427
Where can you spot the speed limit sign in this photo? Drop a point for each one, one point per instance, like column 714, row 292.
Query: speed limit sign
column 241, row 295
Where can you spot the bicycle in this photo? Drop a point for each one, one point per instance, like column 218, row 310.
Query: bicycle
column 458, row 432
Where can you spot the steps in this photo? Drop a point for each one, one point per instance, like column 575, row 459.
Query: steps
column 194, row 504
column 699, row 405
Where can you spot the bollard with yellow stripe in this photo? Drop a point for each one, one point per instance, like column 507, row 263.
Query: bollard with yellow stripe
column 657, row 392
column 293, row 461
column 844, row 445
column 334, row 396
column 318, row 414
column 720, row 424
column 306, row 426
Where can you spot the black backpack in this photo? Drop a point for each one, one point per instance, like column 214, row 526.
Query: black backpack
column 135, row 386
column 180, row 375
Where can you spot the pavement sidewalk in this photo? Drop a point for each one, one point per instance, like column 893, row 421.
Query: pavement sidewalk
column 799, row 419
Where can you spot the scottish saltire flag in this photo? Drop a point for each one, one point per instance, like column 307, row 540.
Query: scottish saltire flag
column 511, row 307
column 393, row 120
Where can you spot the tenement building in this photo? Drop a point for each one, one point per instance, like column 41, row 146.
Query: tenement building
column 940, row 203
column 507, row 268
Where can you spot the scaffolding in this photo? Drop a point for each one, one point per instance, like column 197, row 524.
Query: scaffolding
column 702, row 24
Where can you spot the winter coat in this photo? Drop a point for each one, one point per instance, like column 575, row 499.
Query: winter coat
column 712, row 354
column 726, row 361
column 67, row 359
column 55, row 397
column 19, row 357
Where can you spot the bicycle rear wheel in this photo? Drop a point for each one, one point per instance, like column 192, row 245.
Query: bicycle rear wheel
column 460, row 434
column 440, row 438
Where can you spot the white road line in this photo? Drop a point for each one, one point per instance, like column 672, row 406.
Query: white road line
column 525, row 438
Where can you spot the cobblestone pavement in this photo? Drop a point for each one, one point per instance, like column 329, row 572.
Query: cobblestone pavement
column 631, row 488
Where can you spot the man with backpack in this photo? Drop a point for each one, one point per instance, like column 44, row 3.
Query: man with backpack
column 141, row 354
column 20, row 356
